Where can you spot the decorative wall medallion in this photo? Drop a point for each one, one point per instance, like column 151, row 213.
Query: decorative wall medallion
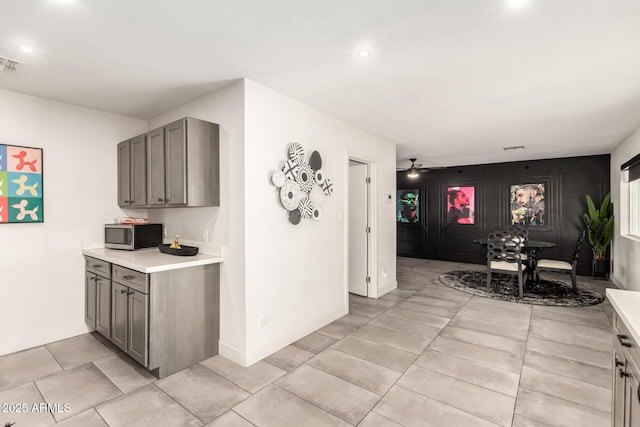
column 302, row 184
column 290, row 195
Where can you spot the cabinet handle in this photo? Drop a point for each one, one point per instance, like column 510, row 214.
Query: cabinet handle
column 160, row 200
column 127, row 277
column 129, row 292
column 126, row 201
column 619, row 363
column 622, row 339
column 123, row 291
column 92, row 278
column 96, row 265
column 622, row 373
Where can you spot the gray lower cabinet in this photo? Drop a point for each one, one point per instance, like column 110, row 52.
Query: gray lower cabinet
column 166, row 321
column 97, row 308
column 625, row 408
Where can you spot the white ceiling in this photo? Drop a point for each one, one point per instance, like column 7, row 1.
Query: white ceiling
column 450, row 81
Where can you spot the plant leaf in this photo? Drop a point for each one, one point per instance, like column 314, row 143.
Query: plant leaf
column 604, row 207
column 591, row 207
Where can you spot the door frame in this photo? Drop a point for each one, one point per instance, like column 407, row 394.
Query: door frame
column 372, row 217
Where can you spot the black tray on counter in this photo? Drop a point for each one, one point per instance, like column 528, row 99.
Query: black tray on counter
column 183, row 251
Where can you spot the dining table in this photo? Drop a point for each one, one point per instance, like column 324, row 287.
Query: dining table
column 530, row 248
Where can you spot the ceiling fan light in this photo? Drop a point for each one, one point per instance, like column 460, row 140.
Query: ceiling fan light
column 413, row 173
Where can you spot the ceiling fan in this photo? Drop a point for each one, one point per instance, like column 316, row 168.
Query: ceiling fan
column 416, row 168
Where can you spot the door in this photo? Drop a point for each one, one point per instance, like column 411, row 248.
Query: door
column 632, row 413
column 139, row 171
column 124, row 174
column 119, row 313
column 358, row 234
column 103, row 306
column 138, row 344
column 155, row 167
column 90, row 299
column 176, row 167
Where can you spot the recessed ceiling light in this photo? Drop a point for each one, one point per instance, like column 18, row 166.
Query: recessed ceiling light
column 27, row 49
column 515, row 4
column 364, row 53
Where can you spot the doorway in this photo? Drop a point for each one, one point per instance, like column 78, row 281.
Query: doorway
column 359, row 230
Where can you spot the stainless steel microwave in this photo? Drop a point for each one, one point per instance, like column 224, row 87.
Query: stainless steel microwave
column 132, row 236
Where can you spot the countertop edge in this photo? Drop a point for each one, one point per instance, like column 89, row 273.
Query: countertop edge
column 150, row 260
column 621, row 301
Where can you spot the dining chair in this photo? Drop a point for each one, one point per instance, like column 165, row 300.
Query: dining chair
column 503, row 256
column 518, row 230
column 562, row 267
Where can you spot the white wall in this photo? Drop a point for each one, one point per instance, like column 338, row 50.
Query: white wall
column 626, row 250
column 225, row 224
column 41, row 284
column 296, row 275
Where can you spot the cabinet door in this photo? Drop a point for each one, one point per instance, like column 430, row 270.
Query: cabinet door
column 138, row 347
column 617, row 404
column 155, row 168
column 139, row 171
column 632, row 415
column 124, row 174
column 103, row 306
column 90, row 299
column 119, row 313
column 176, row 163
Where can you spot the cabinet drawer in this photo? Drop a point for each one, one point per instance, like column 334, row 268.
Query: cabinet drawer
column 98, row 266
column 626, row 341
column 131, row 278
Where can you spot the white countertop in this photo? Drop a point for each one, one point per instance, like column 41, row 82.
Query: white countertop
column 627, row 306
column 150, row 260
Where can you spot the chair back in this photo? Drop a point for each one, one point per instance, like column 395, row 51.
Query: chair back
column 518, row 230
column 576, row 250
column 503, row 246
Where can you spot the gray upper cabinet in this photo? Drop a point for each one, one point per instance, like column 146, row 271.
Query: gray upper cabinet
column 132, row 173
column 181, row 165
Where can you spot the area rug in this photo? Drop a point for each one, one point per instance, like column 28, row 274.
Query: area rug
column 505, row 287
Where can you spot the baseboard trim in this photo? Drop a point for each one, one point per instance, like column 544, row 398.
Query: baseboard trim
column 384, row 291
column 232, row 353
column 617, row 282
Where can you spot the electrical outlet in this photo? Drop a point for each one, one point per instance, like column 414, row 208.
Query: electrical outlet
column 264, row 321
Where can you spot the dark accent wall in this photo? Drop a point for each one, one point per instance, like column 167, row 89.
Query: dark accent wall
column 567, row 182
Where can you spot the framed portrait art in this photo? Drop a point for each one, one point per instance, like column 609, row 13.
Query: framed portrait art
column 408, row 206
column 528, row 204
column 460, row 202
column 21, row 199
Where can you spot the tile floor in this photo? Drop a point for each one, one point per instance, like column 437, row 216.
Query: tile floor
column 423, row 355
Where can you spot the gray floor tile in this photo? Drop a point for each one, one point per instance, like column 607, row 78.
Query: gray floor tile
column 89, row 418
column 26, row 366
column 365, row 310
column 410, row 409
column 82, row 387
column 314, row 342
column 229, row 419
column 289, row 358
column 252, row 379
column 571, row 333
column 569, row 351
column 419, row 330
column 447, row 313
column 371, row 302
column 375, row 420
column 484, row 403
column 466, row 370
column 436, row 302
column 353, row 320
column 566, row 388
column 569, row 368
column 413, row 316
column 336, row 330
column 488, row 356
column 517, row 320
column 491, row 326
column 125, row 373
column 147, row 406
column 497, row 306
column 275, row 407
column 202, row 392
column 78, row 350
column 21, row 405
column 363, row 373
column 511, row 345
column 336, row 396
column 573, row 315
column 554, row 411
column 393, row 298
column 520, row 421
column 392, row 338
column 383, row 355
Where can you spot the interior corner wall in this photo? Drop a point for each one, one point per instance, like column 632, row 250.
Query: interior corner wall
column 296, row 275
column 224, row 224
column 42, row 285
column 626, row 250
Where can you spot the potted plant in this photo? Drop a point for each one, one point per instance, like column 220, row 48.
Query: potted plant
column 599, row 224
